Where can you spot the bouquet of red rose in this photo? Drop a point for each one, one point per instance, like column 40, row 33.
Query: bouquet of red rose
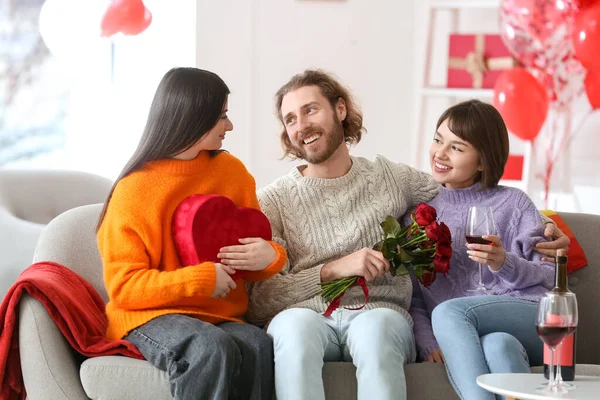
column 423, row 248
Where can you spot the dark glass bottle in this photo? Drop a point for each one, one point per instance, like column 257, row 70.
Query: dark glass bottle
column 567, row 352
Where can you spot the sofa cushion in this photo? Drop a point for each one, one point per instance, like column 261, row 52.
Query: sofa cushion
column 115, row 377
column 123, row 378
column 70, row 240
column 30, row 199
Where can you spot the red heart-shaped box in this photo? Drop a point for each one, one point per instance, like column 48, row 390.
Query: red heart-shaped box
column 204, row 223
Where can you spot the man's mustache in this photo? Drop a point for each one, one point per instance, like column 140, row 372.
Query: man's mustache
column 309, row 131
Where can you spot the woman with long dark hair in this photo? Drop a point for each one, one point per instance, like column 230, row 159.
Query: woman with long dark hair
column 186, row 321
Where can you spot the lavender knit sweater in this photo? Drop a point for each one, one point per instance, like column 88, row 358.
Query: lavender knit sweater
column 522, row 275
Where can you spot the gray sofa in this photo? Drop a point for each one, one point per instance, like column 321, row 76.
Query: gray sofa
column 29, row 199
column 52, row 371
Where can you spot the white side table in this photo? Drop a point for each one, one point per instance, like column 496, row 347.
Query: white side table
column 523, row 386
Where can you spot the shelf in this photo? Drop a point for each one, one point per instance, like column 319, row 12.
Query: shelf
column 461, row 93
column 465, row 3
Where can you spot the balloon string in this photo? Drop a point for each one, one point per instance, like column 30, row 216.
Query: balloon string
column 550, row 158
column 552, row 154
column 112, row 62
column 578, row 129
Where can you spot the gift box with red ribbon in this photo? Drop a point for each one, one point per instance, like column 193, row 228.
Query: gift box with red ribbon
column 476, row 61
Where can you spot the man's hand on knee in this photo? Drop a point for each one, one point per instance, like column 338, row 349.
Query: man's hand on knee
column 365, row 262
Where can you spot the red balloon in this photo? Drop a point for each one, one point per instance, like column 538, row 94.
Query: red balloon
column 522, row 101
column 537, row 33
column 592, row 88
column 129, row 17
column 586, row 3
column 137, row 25
column 535, row 30
column 586, row 37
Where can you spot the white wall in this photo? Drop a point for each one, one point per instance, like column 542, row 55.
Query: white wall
column 574, row 186
column 257, row 45
column 107, row 114
column 140, row 63
column 373, row 47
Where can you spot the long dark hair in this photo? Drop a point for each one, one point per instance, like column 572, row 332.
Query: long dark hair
column 187, row 104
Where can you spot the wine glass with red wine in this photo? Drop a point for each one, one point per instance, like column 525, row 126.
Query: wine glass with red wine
column 556, row 319
column 480, row 222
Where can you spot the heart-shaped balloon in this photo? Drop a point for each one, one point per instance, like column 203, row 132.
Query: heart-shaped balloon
column 204, row 223
column 130, row 17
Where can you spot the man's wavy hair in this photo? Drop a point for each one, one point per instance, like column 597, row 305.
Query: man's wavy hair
column 333, row 91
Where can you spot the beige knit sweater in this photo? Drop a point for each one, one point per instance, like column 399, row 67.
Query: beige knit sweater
column 321, row 220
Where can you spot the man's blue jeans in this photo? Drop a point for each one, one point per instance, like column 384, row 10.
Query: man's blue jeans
column 379, row 342
column 483, row 334
column 206, row 361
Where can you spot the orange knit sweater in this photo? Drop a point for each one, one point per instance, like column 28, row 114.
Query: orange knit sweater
column 142, row 271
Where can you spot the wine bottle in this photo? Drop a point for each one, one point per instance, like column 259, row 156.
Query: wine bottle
column 560, row 273
column 567, row 350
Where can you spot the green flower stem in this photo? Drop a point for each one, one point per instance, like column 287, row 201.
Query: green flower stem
column 429, row 250
column 403, row 231
column 418, row 239
column 420, row 265
column 331, row 290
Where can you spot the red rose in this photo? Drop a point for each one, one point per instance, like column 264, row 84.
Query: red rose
column 433, row 231
column 442, row 264
column 425, row 214
column 427, row 278
column 443, row 249
column 446, row 236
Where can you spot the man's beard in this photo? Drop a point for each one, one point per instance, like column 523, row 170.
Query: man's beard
column 333, row 140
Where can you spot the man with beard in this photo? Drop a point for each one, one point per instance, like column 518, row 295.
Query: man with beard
column 326, row 214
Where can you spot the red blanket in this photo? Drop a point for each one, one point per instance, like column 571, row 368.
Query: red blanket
column 75, row 307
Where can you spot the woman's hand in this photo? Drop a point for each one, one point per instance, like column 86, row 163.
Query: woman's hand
column 254, row 254
column 559, row 241
column 492, row 255
column 224, row 283
column 436, row 356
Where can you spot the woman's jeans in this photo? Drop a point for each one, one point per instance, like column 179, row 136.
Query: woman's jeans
column 486, row 334
column 205, row 361
column 379, row 342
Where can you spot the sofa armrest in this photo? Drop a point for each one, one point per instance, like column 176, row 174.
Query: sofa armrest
column 50, row 370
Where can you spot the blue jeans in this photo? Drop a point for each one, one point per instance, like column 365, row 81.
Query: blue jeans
column 379, row 342
column 205, row 361
column 485, row 334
